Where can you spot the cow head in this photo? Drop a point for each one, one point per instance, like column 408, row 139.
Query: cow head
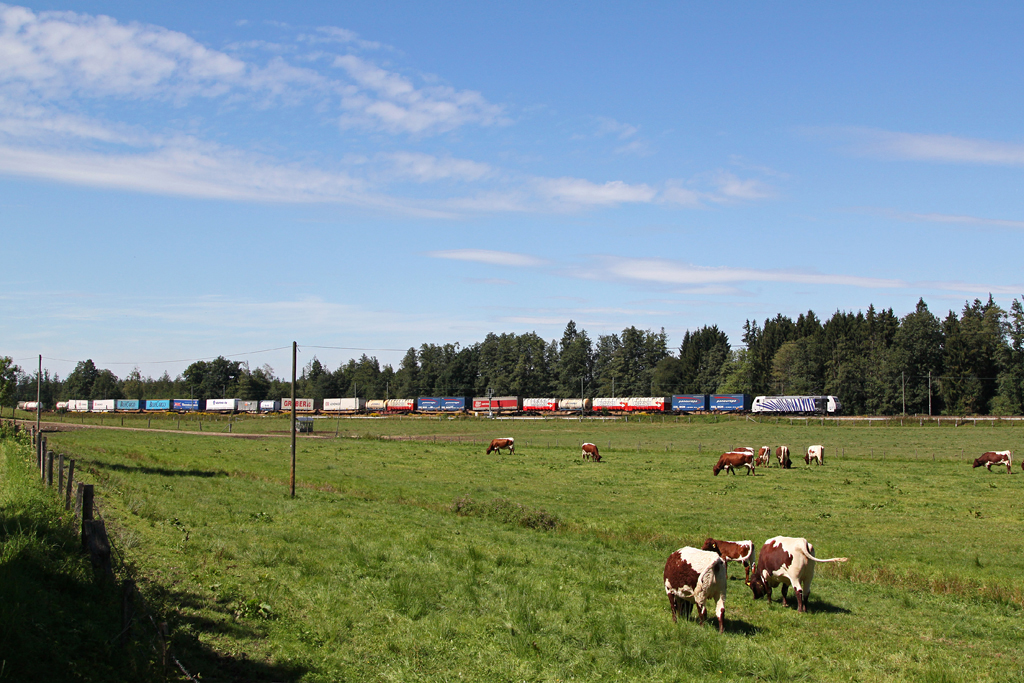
column 756, row 583
column 717, row 468
column 978, row 462
column 712, row 545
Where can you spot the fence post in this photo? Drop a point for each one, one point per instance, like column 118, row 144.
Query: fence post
column 49, row 468
column 83, row 501
column 71, row 477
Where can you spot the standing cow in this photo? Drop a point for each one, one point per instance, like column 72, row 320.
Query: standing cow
column 732, row 551
column 782, row 454
column 789, row 561
column 498, row 444
column 692, row 577
column 815, row 453
column 995, row 458
column 729, row 461
column 590, row 452
column 764, row 456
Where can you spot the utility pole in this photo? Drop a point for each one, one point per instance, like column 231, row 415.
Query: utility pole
column 903, row 382
column 295, row 346
column 490, row 413
column 929, row 393
column 39, row 389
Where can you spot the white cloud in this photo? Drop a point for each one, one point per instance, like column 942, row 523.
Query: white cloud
column 429, row 168
column 945, row 148
column 489, row 257
column 388, row 101
column 955, row 219
column 729, row 187
column 580, row 192
column 607, row 126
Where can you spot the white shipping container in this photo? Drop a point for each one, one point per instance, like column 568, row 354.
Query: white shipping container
column 302, row 405
column 401, row 404
column 219, row 404
column 540, row 404
column 609, row 404
column 270, row 406
column 103, row 406
column 62, row 405
column 647, row 402
column 342, row 404
column 78, row 406
column 574, row 404
column 376, row 404
column 28, row 405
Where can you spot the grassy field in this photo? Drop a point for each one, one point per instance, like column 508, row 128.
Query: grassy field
column 421, row 560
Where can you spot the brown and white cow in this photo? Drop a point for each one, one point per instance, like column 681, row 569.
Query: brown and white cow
column 815, row 453
column 764, row 456
column 590, row 452
column 789, row 561
column 995, row 458
column 733, row 551
column 734, row 459
column 692, row 577
column 782, row 454
column 498, row 444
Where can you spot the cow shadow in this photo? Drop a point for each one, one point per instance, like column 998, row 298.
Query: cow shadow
column 740, row 627
column 159, row 471
column 825, row 607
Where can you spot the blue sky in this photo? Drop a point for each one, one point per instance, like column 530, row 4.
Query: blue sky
column 182, row 180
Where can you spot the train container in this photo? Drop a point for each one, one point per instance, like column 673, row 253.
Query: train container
column 376, row 405
column 574, row 404
column 400, row 404
column 248, row 406
column 303, row 425
column 795, row 404
column 79, row 406
column 187, row 405
column 221, row 405
column 158, row 404
column 302, row 405
column 498, row 404
column 454, row 404
column 689, row 403
column 62, row 405
column 726, row 403
column 344, row 405
column 270, row 406
column 540, row 404
column 428, row 404
column 609, row 404
column 128, row 404
column 30, row 406
column 648, row 403
column 106, row 405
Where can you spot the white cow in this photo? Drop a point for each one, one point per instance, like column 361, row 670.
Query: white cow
column 815, row 453
column 692, row 577
column 789, row 561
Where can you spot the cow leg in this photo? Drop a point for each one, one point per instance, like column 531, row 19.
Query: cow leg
column 686, row 607
column 720, row 613
column 702, row 612
column 785, row 589
column 801, row 605
column 988, row 466
column 672, row 605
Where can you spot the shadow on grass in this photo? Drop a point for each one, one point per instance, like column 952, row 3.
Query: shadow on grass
column 161, row 471
column 819, row 605
column 741, row 627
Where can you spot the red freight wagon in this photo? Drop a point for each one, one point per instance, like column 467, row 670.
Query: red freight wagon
column 504, row 404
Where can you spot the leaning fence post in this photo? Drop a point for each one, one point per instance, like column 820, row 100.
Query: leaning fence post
column 49, row 468
column 83, row 507
column 71, row 478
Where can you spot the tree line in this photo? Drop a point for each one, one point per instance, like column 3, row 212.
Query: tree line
column 874, row 361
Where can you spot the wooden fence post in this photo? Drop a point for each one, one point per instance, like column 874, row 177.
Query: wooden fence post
column 71, row 478
column 49, row 468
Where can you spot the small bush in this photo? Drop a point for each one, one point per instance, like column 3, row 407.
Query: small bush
column 506, row 511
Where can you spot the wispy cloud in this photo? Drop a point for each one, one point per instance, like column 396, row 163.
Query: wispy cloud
column 580, row 192
column 489, row 257
column 429, row 168
column 954, row 219
column 389, row 101
column 929, row 147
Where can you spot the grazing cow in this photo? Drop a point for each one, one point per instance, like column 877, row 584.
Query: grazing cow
column 590, row 452
column 815, row 453
column 733, row 551
column 782, row 453
column 995, row 458
column 498, row 444
column 734, row 459
column 692, row 577
column 789, row 561
column 763, row 456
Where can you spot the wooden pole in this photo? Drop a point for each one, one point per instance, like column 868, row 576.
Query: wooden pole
column 294, row 355
column 71, row 478
column 39, row 392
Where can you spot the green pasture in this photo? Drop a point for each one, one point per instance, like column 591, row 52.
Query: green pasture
column 418, row 557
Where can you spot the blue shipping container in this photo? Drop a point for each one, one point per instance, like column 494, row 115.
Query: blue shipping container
column 127, row 404
column 453, row 404
column 428, row 404
column 186, row 404
column 726, row 402
column 158, row 404
column 689, row 402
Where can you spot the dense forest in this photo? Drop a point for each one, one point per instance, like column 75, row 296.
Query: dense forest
column 876, row 362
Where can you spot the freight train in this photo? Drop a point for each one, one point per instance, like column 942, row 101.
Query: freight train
column 483, row 405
